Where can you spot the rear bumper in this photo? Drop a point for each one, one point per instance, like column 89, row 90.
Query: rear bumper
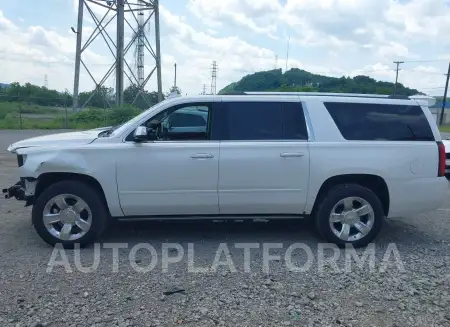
column 16, row 191
column 410, row 197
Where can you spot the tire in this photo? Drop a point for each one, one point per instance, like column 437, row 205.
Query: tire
column 77, row 195
column 333, row 202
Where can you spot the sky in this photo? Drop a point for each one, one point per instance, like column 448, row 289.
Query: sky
column 329, row 37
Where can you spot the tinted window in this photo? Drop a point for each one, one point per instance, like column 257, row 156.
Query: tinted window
column 254, row 120
column 259, row 121
column 294, row 125
column 368, row 121
column 186, row 119
column 179, row 123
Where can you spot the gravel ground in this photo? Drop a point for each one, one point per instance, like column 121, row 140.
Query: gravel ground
column 384, row 295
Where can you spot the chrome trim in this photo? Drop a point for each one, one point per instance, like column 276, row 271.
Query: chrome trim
column 309, row 127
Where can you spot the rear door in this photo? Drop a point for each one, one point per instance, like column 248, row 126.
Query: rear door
column 264, row 157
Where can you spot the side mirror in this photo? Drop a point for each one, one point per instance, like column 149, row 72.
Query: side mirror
column 140, row 134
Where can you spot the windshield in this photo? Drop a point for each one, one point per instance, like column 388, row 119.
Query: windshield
column 123, row 127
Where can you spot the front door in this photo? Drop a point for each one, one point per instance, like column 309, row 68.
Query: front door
column 264, row 158
column 174, row 174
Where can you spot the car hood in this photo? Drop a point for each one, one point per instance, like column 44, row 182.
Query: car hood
column 58, row 140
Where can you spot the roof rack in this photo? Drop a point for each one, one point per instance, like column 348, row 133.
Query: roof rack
column 354, row 95
column 235, row 93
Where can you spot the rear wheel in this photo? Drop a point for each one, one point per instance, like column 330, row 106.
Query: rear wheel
column 69, row 212
column 349, row 214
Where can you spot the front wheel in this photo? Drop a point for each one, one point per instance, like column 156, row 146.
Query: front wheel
column 69, row 213
column 349, row 214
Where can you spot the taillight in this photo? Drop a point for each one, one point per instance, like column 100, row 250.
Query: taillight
column 441, row 169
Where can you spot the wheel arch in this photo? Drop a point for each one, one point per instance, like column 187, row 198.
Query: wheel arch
column 46, row 179
column 374, row 183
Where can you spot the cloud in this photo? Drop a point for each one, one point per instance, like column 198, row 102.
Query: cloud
column 195, row 51
column 27, row 54
column 425, row 78
column 393, row 49
column 258, row 16
column 6, row 26
column 330, row 37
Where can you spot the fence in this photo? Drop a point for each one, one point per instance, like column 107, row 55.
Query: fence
column 34, row 112
column 46, row 112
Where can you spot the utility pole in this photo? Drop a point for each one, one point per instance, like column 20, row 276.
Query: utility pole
column 120, row 12
column 158, row 50
column 79, row 32
column 444, row 100
column 140, row 49
column 213, row 77
column 119, row 51
column 204, row 89
column 175, row 79
column 287, row 54
column 396, row 74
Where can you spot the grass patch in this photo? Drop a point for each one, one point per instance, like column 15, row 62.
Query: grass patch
column 445, row 128
column 37, row 117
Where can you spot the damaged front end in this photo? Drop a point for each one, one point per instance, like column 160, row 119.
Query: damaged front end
column 34, row 162
column 20, row 191
column 16, row 191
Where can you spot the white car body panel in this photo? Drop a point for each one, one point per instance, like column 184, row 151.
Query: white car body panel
column 83, row 159
column 57, row 140
column 263, row 177
column 180, row 178
column 161, row 178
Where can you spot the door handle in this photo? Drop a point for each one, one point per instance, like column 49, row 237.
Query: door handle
column 202, row 156
column 291, row 154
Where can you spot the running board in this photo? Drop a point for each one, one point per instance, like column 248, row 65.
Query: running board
column 215, row 218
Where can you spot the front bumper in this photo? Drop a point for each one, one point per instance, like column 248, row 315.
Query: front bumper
column 16, row 191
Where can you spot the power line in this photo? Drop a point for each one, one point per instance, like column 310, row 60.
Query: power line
column 61, row 62
column 423, row 72
column 432, row 88
column 432, row 60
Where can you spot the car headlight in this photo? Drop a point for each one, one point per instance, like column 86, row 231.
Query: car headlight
column 21, row 159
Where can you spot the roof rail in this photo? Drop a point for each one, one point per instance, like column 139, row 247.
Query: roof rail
column 392, row 96
column 355, row 95
column 234, row 93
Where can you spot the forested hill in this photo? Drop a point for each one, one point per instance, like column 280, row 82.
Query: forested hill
column 297, row 80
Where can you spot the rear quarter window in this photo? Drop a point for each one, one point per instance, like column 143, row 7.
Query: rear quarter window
column 380, row 122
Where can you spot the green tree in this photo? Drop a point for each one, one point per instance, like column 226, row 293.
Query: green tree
column 173, row 89
column 143, row 100
column 303, row 81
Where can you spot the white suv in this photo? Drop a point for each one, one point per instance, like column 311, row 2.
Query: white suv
column 348, row 161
